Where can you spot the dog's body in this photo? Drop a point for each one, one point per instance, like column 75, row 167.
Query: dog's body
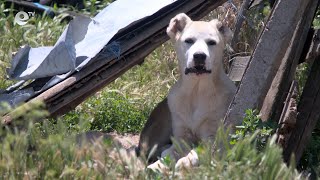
column 200, row 98
column 156, row 132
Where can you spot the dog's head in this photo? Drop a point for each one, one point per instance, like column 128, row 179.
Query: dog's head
column 199, row 44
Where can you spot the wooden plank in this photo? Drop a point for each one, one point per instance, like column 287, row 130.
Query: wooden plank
column 308, row 45
column 273, row 103
column 314, row 49
column 238, row 67
column 308, row 114
column 266, row 58
column 288, row 117
column 240, row 18
column 135, row 44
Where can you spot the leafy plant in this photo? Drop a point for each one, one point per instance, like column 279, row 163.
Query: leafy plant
column 316, row 20
column 301, row 76
column 117, row 113
column 252, row 123
column 243, row 160
column 49, row 151
column 23, row 114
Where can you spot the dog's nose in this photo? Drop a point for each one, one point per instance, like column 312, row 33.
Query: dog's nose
column 199, row 58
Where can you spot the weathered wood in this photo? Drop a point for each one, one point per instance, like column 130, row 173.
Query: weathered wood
column 266, row 58
column 314, row 49
column 258, row 2
column 273, row 103
column 240, row 18
column 308, row 114
column 136, row 43
column 238, row 66
column 307, row 46
column 288, row 117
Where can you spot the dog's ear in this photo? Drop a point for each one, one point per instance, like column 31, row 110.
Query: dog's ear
column 176, row 25
column 223, row 29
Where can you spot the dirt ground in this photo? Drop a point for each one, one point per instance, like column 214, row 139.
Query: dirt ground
column 127, row 141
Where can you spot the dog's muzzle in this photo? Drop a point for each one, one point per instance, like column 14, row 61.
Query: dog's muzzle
column 199, row 64
column 197, row 70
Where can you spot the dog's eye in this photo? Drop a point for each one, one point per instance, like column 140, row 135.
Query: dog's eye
column 211, row 42
column 189, row 41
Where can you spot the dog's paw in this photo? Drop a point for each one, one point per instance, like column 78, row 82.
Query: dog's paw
column 191, row 160
column 158, row 166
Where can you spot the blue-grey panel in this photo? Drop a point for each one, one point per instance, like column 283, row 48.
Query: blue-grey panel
column 82, row 40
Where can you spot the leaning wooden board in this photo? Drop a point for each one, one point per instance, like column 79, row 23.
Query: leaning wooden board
column 273, row 103
column 308, row 114
column 265, row 61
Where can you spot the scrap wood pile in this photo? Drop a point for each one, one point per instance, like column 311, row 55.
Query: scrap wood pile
column 267, row 76
column 268, row 82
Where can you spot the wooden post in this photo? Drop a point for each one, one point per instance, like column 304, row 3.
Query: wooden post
column 314, row 48
column 273, row 103
column 288, row 117
column 266, row 59
column 240, row 18
column 308, row 114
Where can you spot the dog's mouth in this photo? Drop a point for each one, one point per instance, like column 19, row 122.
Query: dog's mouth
column 197, row 70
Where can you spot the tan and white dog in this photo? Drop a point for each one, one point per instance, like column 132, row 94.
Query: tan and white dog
column 199, row 100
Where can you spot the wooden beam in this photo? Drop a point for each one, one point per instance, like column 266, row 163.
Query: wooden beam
column 266, row 58
column 240, row 18
column 314, row 49
column 273, row 103
column 288, row 117
column 308, row 114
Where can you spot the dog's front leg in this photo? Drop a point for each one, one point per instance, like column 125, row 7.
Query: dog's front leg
column 192, row 159
column 158, row 165
column 172, row 153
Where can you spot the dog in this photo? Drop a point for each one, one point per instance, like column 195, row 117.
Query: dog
column 198, row 101
column 156, row 134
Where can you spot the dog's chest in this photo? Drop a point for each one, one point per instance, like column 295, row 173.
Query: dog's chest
column 198, row 109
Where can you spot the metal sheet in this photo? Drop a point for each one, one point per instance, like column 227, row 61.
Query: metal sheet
column 82, row 40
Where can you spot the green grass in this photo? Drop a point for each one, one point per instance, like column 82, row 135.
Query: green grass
column 40, row 31
column 49, row 150
column 125, row 104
